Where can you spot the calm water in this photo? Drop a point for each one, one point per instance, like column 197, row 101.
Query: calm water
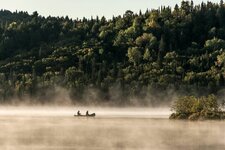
column 112, row 129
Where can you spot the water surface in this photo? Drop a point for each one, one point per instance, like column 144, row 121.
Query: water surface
column 112, row 129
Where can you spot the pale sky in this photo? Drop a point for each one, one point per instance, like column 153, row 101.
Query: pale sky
column 86, row 8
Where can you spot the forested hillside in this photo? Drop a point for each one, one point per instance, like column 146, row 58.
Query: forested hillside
column 180, row 48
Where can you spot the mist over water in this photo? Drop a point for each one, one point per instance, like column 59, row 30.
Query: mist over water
column 102, row 112
column 47, row 128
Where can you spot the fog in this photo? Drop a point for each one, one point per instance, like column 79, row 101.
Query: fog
column 45, row 128
column 133, row 123
column 108, row 112
column 115, row 97
column 59, row 96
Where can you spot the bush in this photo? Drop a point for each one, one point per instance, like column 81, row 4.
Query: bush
column 194, row 108
column 191, row 104
column 194, row 116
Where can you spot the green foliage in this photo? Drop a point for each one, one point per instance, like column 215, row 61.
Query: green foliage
column 134, row 55
column 147, row 55
column 191, row 104
column 194, row 108
column 146, row 40
column 215, row 44
column 182, row 48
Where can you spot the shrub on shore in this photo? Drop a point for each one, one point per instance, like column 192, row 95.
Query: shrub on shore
column 197, row 108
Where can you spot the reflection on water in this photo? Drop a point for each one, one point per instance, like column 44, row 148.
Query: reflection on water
column 40, row 130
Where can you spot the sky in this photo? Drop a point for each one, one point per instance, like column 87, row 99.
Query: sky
column 86, row 8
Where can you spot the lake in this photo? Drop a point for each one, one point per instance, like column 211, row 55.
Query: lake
column 55, row 128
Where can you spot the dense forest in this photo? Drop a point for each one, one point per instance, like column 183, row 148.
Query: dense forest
column 130, row 56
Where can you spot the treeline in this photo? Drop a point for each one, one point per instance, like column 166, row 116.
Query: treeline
column 134, row 55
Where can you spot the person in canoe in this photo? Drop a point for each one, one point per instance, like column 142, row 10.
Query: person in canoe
column 78, row 113
column 87, row 114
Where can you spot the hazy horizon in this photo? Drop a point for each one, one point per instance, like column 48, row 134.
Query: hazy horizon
column 86, row 8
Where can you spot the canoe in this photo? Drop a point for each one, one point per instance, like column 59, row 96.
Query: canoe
column 90, row 115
